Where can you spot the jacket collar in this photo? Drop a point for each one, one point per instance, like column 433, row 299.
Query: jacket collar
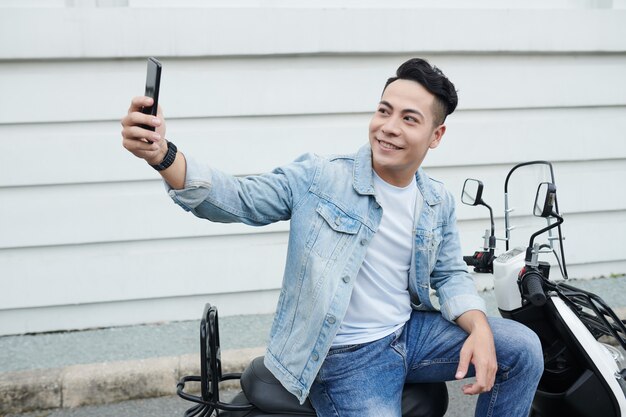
column 363, row 182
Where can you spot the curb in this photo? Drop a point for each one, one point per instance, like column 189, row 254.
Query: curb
column 108, row 382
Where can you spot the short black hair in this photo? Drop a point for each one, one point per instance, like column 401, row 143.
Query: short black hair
column 432, row 79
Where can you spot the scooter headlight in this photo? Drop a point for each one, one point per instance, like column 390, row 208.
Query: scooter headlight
column 620, row 361
column 617, row 354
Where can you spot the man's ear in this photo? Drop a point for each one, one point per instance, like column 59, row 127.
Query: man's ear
column 436, row 136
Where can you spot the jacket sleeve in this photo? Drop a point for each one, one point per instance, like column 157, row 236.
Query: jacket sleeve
column 255, row 200
column 453, row 285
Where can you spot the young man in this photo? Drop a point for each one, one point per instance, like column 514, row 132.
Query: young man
column 369, row 234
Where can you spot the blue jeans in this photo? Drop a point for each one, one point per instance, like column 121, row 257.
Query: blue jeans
column 367, row 379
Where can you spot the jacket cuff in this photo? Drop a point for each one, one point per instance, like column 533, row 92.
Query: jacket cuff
column 458, row 305
column 197, row 185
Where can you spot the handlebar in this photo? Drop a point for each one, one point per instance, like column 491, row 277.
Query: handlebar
column 470, row 260
column 482, row 261
column 532, row 288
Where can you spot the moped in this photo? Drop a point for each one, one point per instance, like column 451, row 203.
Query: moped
column 583, row 376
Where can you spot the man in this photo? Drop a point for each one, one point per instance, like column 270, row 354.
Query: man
column 369, row 234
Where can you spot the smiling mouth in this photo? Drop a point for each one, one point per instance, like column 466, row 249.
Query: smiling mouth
column 387, row 145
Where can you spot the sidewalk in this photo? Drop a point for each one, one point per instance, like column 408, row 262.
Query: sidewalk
column 73, row 369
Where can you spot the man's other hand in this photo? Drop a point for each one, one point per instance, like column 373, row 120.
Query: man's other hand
column 478, row 350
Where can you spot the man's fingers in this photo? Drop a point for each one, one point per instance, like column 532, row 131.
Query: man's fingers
column 486, row 374
column 137, row 103
column 484, row 382
column 138, row 120
column 473, row 389
column 137, row 133
column 464, row 361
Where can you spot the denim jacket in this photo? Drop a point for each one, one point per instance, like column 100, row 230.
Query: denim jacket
column 333, row 211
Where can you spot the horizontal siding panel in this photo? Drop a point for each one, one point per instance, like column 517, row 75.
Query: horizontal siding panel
column 113, row 212
column 389, row 4
column 598, row 270
column 513, row 136
column 141, row 270
column 120, row 313
column 101, row 90
column 178, row 268
column 581, row 186
column 124, row 313
column 66, row 153
column 113, row 32
column 589, row 237
column 581, row 231
column 236, row 145
column 78, row 214
column 290, row 4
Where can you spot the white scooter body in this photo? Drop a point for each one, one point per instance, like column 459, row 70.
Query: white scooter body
column 506, row 268
column 599, row 353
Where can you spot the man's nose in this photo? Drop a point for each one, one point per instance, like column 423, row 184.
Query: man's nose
column 391, row 127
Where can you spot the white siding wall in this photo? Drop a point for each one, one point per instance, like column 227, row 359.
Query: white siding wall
column 89, row 238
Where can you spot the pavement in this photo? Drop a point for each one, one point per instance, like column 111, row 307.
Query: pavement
column 102, row 366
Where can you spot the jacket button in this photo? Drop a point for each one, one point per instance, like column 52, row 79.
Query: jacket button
column 346, row 279
column 315, row 356
column 363, row 242
column 338, row 221
column 331, row 319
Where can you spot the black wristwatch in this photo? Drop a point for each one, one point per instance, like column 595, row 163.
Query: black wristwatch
column 169, row 158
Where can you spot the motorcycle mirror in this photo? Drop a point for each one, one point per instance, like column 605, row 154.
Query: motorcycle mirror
column 544, row 201
column 472, row 192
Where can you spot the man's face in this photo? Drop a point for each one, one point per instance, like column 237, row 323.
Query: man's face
column 402, row 130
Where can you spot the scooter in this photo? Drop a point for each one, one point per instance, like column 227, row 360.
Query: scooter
column 261, row 393
column 582, row 376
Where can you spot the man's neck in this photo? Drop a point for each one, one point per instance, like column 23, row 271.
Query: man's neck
column 397, row 179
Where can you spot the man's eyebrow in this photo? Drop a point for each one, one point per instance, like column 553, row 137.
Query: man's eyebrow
column 414, row 111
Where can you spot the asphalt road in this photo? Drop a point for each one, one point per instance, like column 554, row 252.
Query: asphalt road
column 460, row 406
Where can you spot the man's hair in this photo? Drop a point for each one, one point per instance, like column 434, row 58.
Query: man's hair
column 433, row 80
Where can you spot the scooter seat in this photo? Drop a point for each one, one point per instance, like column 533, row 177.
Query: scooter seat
column 264, row 391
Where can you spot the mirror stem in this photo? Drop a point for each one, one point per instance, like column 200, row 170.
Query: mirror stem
column 492, row 237
column 545, row 229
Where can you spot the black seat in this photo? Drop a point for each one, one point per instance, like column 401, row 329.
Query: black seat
column 263, row 390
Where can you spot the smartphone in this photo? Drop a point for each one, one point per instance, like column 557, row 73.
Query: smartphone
column 153, row 83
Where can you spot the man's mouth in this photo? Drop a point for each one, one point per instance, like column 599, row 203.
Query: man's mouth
column 388, row 145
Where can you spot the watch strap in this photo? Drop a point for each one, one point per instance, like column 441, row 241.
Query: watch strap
column 170, row 156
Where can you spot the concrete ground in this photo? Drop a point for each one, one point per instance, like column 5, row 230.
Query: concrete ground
column 170, row 406
column 109, row 370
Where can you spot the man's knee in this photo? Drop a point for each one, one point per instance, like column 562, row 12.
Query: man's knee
column 518, row 345
column 533, row 352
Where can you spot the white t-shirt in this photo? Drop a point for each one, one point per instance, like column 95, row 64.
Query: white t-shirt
column 380, row 302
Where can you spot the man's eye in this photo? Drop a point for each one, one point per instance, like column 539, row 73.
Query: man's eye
column 383, row 111
column 410, row 119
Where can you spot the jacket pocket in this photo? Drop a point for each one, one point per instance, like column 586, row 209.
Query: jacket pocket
column 331, row 230
column 428, row 243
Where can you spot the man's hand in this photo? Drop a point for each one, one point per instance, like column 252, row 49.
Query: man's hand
column 479, row 350
column 137, row 139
